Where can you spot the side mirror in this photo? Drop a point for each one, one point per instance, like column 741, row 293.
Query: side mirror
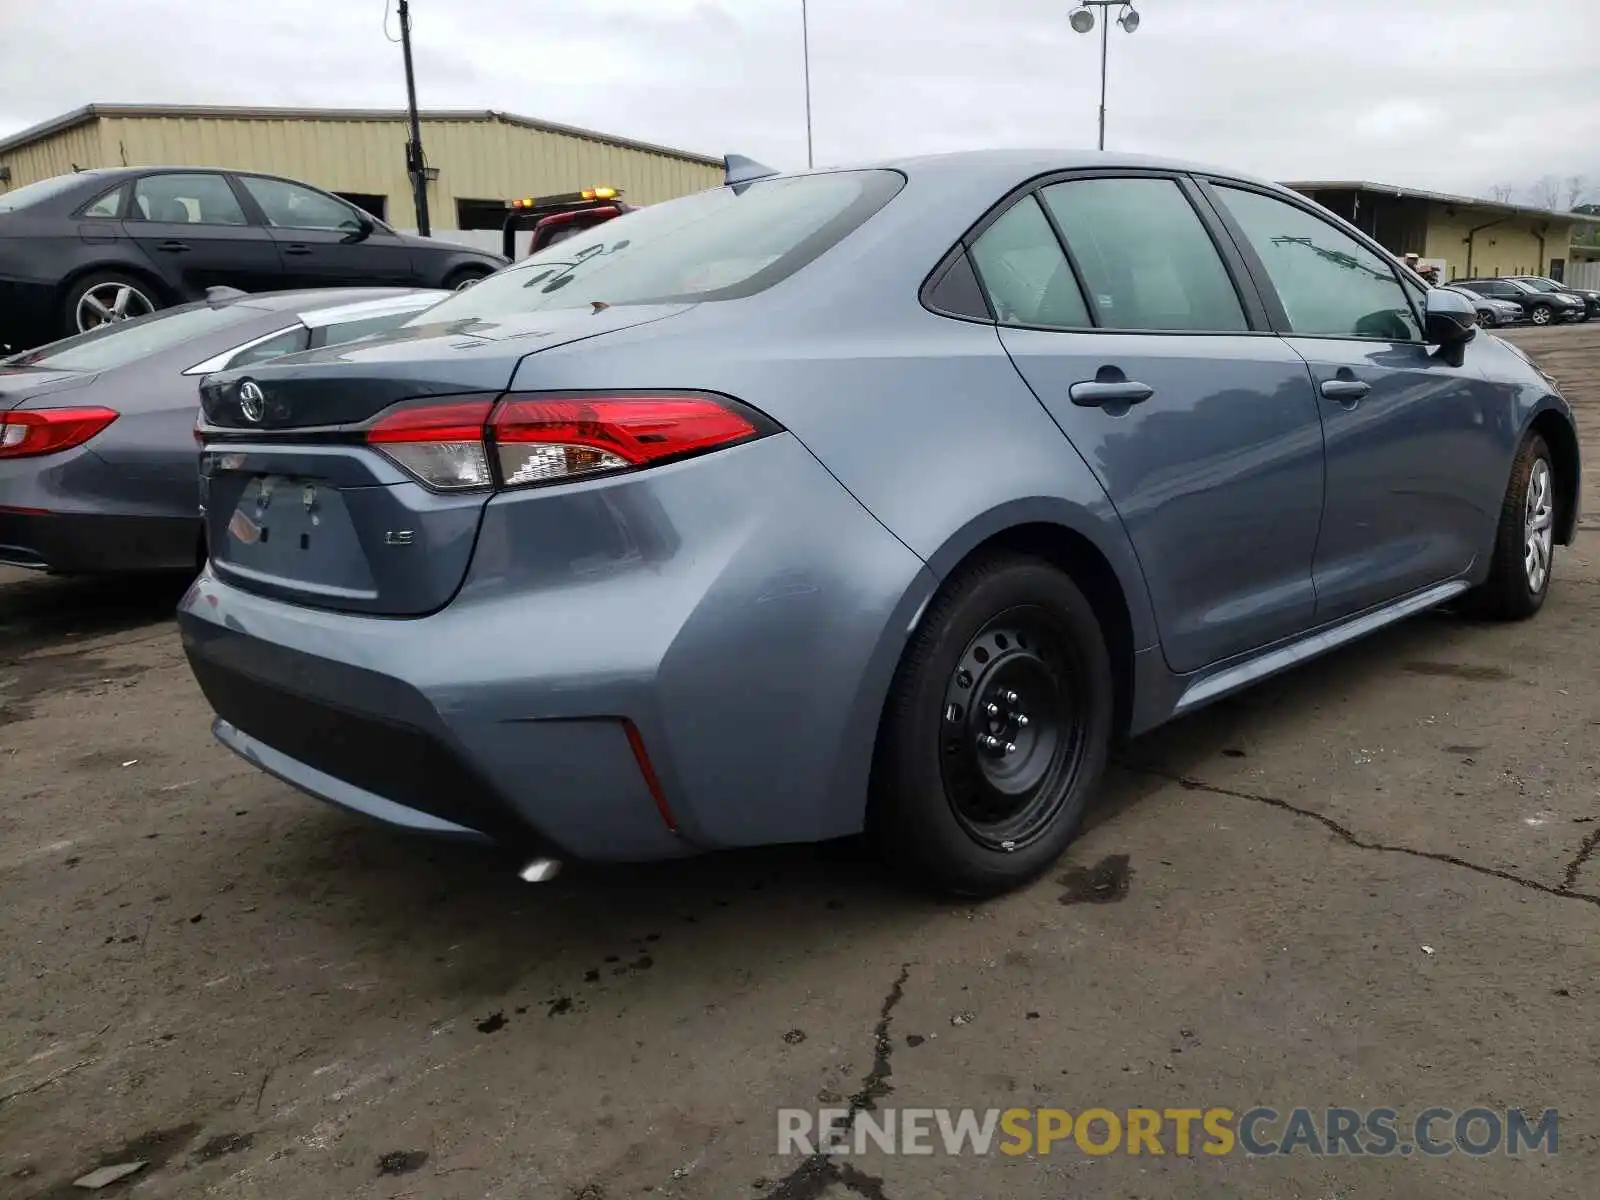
column 1449, row 318
column 364, row 228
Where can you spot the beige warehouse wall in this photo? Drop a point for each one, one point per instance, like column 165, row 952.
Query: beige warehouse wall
column 1509, row 248
column 81, row 146
column 477, row 159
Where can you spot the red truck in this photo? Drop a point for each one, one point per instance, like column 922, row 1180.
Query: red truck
column 556, row 218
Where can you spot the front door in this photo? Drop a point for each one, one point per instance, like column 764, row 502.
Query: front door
column 1410, row 437
column 326, row 242
column 194, row 230
column 1204, row 434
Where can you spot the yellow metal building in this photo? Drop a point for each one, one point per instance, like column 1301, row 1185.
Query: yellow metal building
column 1463, row 237
column 477, row 160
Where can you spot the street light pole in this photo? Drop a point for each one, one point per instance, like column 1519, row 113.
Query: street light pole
column 415, row 163
column 1105, row 47
column 805, row 47
column 1083, row 20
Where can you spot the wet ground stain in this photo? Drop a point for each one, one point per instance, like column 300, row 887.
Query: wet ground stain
column 1457, row 671
column 1106, row 882
column 223, row 1145
column 1462, row 749
column 155, row 1148
column 402, row 1162
column 493, row 1023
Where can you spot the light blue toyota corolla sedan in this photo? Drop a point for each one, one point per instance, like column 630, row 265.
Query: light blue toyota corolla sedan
column 878, row 500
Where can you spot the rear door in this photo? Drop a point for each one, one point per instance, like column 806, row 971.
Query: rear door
column 194, row 230
column 1411, row 437
column 324, row 241
column 1203, row 430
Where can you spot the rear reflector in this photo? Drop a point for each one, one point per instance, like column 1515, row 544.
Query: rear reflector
column 25, row 433
column 528, row 440
column 441, row 444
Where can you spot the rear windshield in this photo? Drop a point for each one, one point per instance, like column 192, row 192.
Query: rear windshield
column 117, row 345
column 34, row 193
column 716, row 245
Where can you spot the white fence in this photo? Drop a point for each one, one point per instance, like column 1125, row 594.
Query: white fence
column 481, row 239
column 1582, row 274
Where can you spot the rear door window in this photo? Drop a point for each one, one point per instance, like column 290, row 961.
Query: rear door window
column 185, row 199
column 1147, row 260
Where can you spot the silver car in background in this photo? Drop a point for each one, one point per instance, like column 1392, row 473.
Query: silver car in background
column 98, row 470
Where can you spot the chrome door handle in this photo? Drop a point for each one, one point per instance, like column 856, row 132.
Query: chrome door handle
column 1345, row 389
column 1094, row 394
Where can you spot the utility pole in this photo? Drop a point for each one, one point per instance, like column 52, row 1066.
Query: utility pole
column 805, row 43
column 415, row 163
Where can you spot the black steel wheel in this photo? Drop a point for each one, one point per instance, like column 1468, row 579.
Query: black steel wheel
column 1013, row 733
column 996, row 731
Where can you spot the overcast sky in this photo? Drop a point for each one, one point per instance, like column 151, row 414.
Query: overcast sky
column 1454, row 95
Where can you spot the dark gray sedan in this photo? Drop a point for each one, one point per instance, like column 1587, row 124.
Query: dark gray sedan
column 97, row 453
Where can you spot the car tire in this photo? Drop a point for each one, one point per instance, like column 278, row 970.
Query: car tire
column 1487, row 319
column 464, row 277
column 1524, row 544
column 106, row 290
column 963, row 815
column 1541, row 314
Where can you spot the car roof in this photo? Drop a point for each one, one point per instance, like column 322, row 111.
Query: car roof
column 1020, row 164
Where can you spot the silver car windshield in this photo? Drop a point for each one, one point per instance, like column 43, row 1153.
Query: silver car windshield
column 118, row 345
column 714, row 245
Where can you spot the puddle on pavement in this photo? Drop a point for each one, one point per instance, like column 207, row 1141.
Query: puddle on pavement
column 1106, row 882
column 1457, row 671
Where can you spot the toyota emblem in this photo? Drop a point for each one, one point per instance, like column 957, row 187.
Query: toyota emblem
column 252, row 401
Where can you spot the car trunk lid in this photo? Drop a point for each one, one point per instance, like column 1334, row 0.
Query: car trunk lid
column 300, row 505
column 21, row 383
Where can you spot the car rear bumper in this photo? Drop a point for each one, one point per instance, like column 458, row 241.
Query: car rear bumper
column 641, row 668
column 52, row 519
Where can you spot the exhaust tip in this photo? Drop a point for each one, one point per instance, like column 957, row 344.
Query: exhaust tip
column 540, row 870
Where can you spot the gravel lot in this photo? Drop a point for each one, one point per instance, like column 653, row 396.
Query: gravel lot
column 260, row 997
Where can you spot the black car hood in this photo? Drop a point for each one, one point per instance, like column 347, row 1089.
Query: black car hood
column 25, row 383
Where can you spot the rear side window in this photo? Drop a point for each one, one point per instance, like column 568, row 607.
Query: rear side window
column 1146, row 258
column 349, row 331
column 1330, row 284
column 1025, row 273
column 291, row 340
column 108, row 205
column 715, row 245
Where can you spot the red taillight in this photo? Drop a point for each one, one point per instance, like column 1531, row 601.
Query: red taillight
column 545, row 439
column 441, row 444
column 448, row 445
column 25, row 433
